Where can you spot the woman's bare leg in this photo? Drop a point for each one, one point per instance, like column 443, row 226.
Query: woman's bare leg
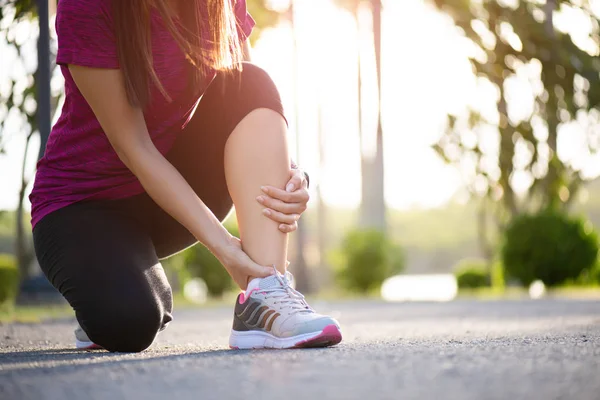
column 256, row 154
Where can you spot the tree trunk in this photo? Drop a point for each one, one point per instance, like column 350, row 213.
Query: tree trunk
column 43, row 113
column 483, row 231
column 507, row 152
column 365, row 188
column 43, row 75
column 23, row 252
column 299, row 267
column 373, row 212
column 551, row 183
column 322, row 221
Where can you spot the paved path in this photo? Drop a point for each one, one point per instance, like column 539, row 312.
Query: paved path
column 547, row 349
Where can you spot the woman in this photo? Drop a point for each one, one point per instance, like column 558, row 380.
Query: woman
column 162, row 131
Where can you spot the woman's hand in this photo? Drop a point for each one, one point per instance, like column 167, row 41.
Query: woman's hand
column 286, row 206
column 239, row 265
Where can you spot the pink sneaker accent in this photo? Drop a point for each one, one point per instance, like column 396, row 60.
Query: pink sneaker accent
column 329, row 336
column 245, row 296
column 93, row 346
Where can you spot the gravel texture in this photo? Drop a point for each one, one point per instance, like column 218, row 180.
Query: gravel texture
column 545, row 349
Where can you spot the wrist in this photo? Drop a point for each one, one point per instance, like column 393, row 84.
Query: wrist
column 217, row 242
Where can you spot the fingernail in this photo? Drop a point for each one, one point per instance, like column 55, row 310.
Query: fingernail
column 266, row 212
column 264, row 189
column 260, row 199
column 289, row 187
column 283, row 227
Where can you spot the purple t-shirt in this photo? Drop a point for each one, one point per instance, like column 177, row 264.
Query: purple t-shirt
column 79, row 163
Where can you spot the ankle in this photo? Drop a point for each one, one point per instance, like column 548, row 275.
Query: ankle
column 250, row 278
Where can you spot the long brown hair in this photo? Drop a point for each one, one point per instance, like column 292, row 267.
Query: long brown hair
column 220, row 51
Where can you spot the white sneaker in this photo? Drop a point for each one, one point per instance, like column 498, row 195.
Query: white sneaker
column 271, row 314
column 83, row 342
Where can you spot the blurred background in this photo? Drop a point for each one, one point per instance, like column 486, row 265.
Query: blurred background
column 453, row 146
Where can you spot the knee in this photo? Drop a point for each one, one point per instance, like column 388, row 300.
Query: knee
column 256, row 73
column 126, row 328
column 253, row 81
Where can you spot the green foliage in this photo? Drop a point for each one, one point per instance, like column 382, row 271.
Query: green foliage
column 472, row 273
column 201, row 263
column 19, row 97
column 9, row 280
column 366, row 259
column 497, row 279
column 588, row 277
column 549, row 246
column 595, row 273
column 263, row 16
column 570, row 79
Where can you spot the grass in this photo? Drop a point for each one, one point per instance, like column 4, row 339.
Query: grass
column 515, row 293
column 34, row 314
column 39, row 313
column 31, row 314
column 489, row 293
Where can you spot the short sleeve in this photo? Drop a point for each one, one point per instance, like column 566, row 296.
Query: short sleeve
column 86, row 34
column 245, row 22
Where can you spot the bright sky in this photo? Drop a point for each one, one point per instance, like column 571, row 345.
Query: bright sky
column 425, row 75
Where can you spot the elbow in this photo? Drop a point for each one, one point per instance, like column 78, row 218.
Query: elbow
column 135, row 155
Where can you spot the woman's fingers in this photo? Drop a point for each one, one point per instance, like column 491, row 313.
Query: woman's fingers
column 255, row 270
column 288, row 222
column 296, row 182
column 240, row 266
column 249, row 267
column 296, row 206
column 287, row 228
column 284, row 207
column 298, row 196
column 277, row 216
column 275, row 204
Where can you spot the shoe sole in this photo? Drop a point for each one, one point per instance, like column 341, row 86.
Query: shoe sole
column 83, row 345
column 329, row 336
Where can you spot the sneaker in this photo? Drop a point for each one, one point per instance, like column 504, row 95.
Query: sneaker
column 83, row 342
column 272, row 314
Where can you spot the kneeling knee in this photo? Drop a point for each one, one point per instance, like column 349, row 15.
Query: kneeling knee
column 255, row 79
column 127, row 330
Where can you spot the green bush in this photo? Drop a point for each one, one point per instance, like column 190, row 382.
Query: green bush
column 366, row 259
column 548, row 246
column 201, row 263
column 497, row 279
column 472, row 274
column 595, row 273
column 9, row 280
column 588, row 277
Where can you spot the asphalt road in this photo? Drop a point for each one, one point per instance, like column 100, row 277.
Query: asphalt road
column 546, row 349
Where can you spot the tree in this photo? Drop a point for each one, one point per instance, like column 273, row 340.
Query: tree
column 264, row 16
column 507, row 40
column 372, row 211
column 20, row 105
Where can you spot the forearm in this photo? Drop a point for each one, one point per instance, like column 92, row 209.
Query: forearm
column 165, row 185
column 125, row 128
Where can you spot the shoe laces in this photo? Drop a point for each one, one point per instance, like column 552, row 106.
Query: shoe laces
column 287, row 296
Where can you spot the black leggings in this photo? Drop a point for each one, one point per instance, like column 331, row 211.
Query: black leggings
column 103, row 256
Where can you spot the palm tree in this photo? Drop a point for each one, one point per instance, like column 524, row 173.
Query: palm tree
column 299, row 266
column 372, row 211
